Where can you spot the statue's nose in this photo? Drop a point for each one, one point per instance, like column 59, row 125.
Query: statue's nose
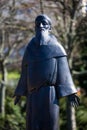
column 41, row 25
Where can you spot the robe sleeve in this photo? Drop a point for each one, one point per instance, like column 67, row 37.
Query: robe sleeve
column 64, row 83
column 21, row 89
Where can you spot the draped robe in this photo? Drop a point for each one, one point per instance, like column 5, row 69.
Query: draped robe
column 45, row 77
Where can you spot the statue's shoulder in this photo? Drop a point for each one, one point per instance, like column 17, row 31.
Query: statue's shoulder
column 53, row 38
column 29, row 46
column 54, row 41
column 31, row 42
column 56, row 44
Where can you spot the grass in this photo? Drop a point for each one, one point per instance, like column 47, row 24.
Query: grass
column 12, row 75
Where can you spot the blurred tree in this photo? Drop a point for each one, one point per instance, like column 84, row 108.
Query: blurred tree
column 80, row 65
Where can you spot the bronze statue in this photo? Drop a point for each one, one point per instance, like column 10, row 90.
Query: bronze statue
column 45, row 78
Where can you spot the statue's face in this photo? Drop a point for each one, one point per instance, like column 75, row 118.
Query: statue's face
column 42, row 24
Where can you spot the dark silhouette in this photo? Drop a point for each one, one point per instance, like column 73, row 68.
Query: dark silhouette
column 45, row 78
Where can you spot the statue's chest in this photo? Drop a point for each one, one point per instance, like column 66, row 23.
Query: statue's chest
column 42, row 67
column 41, row 72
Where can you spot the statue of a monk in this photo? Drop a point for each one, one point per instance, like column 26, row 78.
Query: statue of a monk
column 45, row 78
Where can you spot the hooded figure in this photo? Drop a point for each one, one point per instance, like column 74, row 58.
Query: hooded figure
column 45, row 78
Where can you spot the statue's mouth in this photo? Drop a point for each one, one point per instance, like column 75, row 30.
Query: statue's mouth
column 41, row 29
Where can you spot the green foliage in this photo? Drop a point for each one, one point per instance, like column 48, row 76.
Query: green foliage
column 81, row 115
column 14, row 120
column 14, row 114
column 1, row 122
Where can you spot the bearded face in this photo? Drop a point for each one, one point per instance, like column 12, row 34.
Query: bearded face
column 42, row 28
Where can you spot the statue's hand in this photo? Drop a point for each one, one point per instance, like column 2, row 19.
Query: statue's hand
column 17, row 98
column 74, row 100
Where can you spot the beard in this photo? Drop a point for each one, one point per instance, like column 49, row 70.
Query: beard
column 42, row 38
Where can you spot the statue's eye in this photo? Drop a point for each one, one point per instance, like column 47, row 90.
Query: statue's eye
column 44, row 23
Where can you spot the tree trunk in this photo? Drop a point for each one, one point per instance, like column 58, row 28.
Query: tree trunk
column 2, row 89
column 41, row 7
column 71, row 121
